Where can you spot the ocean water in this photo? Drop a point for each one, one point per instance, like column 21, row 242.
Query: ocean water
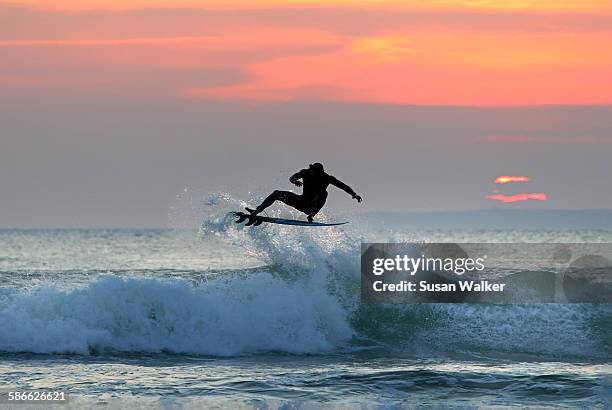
column 223, row 316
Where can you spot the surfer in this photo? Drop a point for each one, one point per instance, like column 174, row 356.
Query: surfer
column 315, row 181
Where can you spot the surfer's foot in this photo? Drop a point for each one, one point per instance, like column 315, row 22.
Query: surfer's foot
column 252, row 211
column 310, row 218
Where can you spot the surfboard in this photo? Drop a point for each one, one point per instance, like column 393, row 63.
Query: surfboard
column 256, row 220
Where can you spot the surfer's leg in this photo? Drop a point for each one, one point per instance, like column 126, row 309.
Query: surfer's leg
column 316, row 205
column 287, row 197
column 291, row 199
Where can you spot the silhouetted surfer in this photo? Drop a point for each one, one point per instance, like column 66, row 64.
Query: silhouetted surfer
column 314, row 195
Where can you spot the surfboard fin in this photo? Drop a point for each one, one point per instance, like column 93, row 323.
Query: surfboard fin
column 241, row 217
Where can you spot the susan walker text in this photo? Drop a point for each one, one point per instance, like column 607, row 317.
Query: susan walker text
column 424, row 286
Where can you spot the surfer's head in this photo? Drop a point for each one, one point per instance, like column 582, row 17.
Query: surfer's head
column 317, row 167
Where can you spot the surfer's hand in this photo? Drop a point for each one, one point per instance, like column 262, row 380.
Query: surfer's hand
column 297, row 183
column 357, row 197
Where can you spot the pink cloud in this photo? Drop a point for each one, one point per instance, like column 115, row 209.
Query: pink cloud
column 518, row 197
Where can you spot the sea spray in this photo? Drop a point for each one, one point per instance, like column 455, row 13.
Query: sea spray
column 327, row 255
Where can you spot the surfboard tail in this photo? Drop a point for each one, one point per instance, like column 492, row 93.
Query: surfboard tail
column 241, row 217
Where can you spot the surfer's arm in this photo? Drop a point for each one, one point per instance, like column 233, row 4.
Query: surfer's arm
column 337, row 183
column 295, row 178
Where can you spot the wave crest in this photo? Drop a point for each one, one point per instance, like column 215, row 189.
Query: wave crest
column 225, row 316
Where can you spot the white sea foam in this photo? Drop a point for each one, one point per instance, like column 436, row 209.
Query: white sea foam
column 225, row 316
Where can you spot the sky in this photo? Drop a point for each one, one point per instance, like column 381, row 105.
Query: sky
column 112, row 112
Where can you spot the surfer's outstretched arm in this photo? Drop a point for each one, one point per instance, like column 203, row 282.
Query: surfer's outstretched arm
column 337, row 183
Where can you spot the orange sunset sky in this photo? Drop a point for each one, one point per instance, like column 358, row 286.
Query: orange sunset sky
column 111, row 110
column 447, row 52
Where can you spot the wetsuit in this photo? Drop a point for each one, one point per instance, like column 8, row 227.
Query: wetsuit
column 313, row 196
